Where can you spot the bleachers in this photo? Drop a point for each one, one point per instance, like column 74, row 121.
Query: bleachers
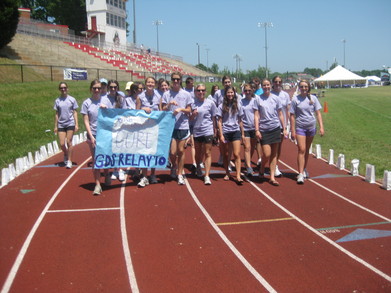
column 131, row 62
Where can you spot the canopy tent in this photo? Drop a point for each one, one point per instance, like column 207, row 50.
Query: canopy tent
column 373, row 78
column 340, row 76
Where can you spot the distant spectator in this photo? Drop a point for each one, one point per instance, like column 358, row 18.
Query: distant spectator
column 66, row 122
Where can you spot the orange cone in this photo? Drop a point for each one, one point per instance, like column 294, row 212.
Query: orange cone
column 325, row 108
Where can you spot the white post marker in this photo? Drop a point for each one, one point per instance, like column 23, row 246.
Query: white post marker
column 370, row 173
column 387, row 180
column 341, row 162
column 354, row 167
column 318, row 151
column 331, row 157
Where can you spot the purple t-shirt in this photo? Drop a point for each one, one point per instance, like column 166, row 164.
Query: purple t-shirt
column 109, row 101
column 129, row 103
column 248, row 112
column 203, row 122
column 268, row 107
column 230, row 120
column 151, row 101
column 183, row 99
column 65, row 108
column 304, row 111
column 91, row 107
column 285, row 102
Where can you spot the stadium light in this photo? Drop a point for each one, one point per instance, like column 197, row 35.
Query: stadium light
column 265, row 25
column 157, row 23
column 344, row 44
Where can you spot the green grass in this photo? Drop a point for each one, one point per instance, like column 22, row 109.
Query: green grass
column 358, row 125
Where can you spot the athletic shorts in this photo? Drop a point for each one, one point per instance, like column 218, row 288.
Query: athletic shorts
column 270, row 137
column 249, row 133
column 204, row 139
column 306, row 132
column 181, row 134
column 232, row 136
column 66, row 129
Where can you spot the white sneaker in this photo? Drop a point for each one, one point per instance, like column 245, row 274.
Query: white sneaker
column 121, row 175
column 306, row 174
column 300, row 178
column 259, row 162
column 181, row 180
column 152, row 179
column 199, row 171
column 202, row 165
column 229, row 169
column 173, row 173
column 143, row 182
column 250, row 172
column 69, row 164
column 207, row 180
column 97, row 190
column 114, row 175
column 277, row 173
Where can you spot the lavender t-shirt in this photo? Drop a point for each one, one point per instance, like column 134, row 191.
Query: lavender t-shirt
column 129, row 103
column 248, row 112
column 151, row 101
column 65, row 108
column 304, row 111
column 230, row 120
column 183, row 99
column 268, row 107
column 203, row 122
column 285, row 102
column 91, row 107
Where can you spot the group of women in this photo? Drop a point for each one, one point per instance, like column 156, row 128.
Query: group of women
column 259, row 122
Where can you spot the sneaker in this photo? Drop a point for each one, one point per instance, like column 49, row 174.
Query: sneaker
column 229, row 169
column 250, row 172
column 143, row 182
column 259, row 162
column 121, row 175
column 69, row 164
column 108, row 180
column 181, row 180
column 207, row 180
column 173, row 173
column 114, row 175
column 300, row 178
column 97, row 190
column 202, row 165
column 306, row 175
column 193, row 168
column 199, row 171
column 153, row 179
column 277, row 173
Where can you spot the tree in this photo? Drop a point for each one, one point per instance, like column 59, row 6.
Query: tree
column 214, row 68
column 9, row 18
column 202, row 67
column 38, row 9
column 313, row 71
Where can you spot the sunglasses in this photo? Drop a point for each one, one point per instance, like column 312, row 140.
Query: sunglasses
column 247, row 91
column 96, row 88
column 113, row 87
column 175, row 79
column 63, row 88
column 200, row 90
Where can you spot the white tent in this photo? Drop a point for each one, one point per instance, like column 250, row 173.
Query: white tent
column 340, row 76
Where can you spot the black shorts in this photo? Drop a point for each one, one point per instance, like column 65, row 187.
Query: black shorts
column 204, row 139
column 180, row 134
column 249, row 133
column 232, row 136
column 66, row 129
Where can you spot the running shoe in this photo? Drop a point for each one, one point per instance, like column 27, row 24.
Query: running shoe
column 97, row 190
column 202, row 165
column 259, row 162
column 181, row 180
column 153, row 179
column 69, row 164
column 121, row 175
column 143, row 182
column 300, row 178
column 250, row 172
column 207, row 180
column 114, row 175
column 277, row 173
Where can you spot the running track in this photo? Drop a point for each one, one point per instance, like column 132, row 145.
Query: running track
column 331, row 234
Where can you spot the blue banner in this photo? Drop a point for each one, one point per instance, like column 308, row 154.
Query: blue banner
column 75, row 74
column 133, row 138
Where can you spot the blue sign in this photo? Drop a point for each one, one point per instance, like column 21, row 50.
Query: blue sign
column 133, row 138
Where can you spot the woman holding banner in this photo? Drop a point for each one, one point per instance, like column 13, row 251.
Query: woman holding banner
column 89, row 111
column 179, row 102
column 150, row 101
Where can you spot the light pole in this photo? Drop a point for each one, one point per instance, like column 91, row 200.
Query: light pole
column 198, row 46
column 207, row 57
column 157, row 23
column 344, row 44
column 265, row 25
column 134, row 21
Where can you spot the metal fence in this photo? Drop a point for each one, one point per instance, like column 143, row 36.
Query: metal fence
column 13, row 73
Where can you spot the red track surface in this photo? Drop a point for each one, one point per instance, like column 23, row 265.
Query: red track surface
column 193, row 238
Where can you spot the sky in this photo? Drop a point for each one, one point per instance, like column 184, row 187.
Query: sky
column 305, row 33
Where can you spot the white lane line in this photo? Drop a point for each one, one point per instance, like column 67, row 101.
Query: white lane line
column 342, row 197
column 125, row 243
column 309, row 227
column 83, row 210
column 236, row 252
column 19, row 259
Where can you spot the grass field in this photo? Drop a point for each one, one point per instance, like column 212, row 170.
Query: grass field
column 358, row 123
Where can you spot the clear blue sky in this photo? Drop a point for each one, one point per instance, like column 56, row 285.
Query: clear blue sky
column 305, row 33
